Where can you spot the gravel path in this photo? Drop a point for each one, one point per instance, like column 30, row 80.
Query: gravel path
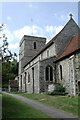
column 53, row 112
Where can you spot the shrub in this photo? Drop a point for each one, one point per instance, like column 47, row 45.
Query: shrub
column 60, row 88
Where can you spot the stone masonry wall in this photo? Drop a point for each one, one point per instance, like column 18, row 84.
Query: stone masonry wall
column 70, row 73
column 27, row 50
column 29, row 86
column 65, row 74
column 77, row 71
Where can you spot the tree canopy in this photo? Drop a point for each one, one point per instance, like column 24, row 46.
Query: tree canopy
column 9, row 72
column 5, row 53
column 9, row 59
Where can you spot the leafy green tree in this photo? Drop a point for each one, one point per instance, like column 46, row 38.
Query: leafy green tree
column 9, row 59
column 4, row 50
column 14, row 67
column 9, row 72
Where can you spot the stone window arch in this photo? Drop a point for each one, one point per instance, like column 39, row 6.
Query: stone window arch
column 49, row 73
column 28, row 77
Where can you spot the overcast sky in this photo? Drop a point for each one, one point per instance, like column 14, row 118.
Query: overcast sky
column 35, row 18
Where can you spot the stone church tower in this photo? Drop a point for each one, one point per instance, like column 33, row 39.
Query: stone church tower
column 29, row 46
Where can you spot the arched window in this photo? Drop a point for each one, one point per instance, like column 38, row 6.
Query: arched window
column 34, row 45
column 49, row 73
column 61, row 72
column 28, row 77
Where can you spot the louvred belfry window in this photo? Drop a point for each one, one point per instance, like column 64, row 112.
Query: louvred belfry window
column 34, row 45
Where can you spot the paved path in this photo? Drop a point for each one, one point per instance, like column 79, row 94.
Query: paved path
column 55, row 113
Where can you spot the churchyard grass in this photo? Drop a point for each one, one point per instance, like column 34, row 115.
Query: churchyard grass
column 14, row 108
column 68, row 104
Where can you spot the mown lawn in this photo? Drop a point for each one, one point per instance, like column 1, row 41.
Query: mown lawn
column 65, row 103
column 14, row 108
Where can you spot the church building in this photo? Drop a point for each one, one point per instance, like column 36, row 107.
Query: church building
column 43, row 65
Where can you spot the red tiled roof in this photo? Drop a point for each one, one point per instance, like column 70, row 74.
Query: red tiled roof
column 72, row 46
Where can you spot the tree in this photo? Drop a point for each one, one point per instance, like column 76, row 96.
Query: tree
column 9, row 60
column 9, row 72
column 4, row 50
